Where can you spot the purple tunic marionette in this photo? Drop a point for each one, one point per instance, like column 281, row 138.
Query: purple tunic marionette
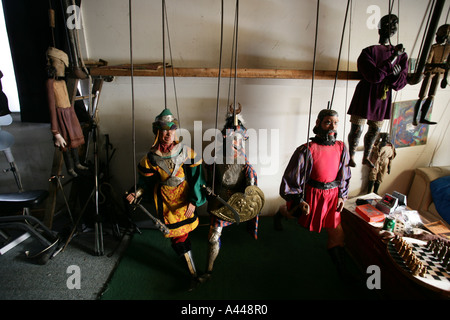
column 383, row 67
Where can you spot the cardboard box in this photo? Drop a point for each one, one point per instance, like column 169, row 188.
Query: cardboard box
column 369, row 213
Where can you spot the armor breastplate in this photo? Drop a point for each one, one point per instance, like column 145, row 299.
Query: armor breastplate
column 233, row 179
column 171, row 167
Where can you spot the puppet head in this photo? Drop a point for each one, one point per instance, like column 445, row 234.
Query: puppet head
column 388, row 26
column 234, row 132
column 164, row 127
column 165, row 121
column 442, row 33
column 325, row 134
column 58, row 59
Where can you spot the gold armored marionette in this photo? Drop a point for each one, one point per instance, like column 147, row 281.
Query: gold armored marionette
column 383, row 68
column 65, row 127
column 436, row 69
column 233, row 195
column 383, row 153
column 170, row 181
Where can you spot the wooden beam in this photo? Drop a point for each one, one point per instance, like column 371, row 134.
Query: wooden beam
column 150, row 71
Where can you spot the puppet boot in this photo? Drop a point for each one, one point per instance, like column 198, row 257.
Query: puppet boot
column 370, row 186
column 353, row 140
column 337, row 256
column 277, row 218
column 369, row 140
column 416, row 111
column 423, row 112
column 376, row 185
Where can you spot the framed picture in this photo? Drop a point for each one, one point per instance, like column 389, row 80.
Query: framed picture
column 403, row 132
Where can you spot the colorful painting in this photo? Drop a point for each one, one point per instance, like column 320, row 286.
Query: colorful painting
column 403, row 132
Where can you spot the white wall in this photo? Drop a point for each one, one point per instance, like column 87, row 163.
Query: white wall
column 272, row 34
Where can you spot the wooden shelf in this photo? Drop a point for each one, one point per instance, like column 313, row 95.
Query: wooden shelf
column 143, row 70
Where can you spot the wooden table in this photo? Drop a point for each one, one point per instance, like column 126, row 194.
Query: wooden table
column 367, row 247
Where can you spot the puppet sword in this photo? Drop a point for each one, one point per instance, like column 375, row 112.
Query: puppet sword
column 233, row 210
column 161, row 226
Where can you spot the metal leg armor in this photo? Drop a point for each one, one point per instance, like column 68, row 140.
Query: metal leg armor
column 353, row 140
column 183, row 249
column 190, row 263
column 213, row 251
column 195, row 281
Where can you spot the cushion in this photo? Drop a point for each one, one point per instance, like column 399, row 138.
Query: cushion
column 440, row 191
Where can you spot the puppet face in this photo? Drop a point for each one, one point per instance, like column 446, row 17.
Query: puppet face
column 59, row 66
column 167, row 137
column 327, row 127
column 388, row 26
column 442, row 33
column 329, row 123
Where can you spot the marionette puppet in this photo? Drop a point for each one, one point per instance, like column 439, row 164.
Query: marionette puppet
column 170, row 180
column 4, row 107
column 436, row 69
column 383, row 153
column 383, row 68
column 234, row 196
column 315, row 184
column 65, row 127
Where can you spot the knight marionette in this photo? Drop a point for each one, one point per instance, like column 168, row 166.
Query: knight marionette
column 170, row 180
column 233, row 196
column 383, row 68
column 65, row 127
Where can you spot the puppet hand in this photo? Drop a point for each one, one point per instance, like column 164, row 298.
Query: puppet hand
column 397, row 69
column 443, row 83
column 399, row 50
column 304, row 208
column 340, row 205
column 131, row 197
column 59, row 141
column 190, row 210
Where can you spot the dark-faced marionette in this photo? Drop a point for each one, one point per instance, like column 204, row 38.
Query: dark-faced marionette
column 65, row 127
column 171, row 180
column 233, row 196
column 383, row 68
column 315, row 184
column 383, row 153
column 436, row 69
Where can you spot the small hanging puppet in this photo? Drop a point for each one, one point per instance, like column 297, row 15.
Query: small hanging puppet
column 436, row 68
column 65, row 127
column 383, row 153
column 234, row 182
column 383, row 68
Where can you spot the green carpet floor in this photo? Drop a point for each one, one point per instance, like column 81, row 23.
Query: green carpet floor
column 292, row 264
